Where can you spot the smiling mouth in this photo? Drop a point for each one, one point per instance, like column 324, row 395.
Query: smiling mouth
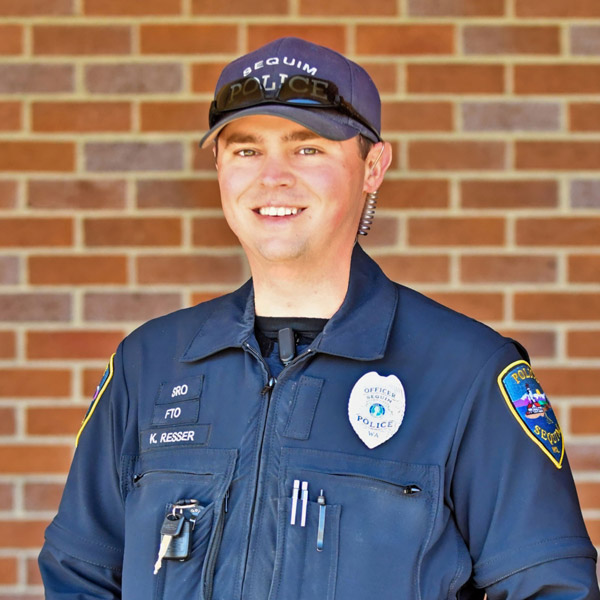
column 279, row 211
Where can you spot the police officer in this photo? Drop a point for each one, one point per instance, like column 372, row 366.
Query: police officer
column 321, row 433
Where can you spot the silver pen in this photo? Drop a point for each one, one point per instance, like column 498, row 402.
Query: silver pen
column 295, row 494
column 304, row 503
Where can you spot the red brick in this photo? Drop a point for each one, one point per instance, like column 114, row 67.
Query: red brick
column 384, row 75
column 332, row 36
column 584, row 457
column 345, row 7
column 35, row 307
column 456, row 156
column 81, row 39
column 212, row 232
column 131, row 8
column 8, row 570
column 81, row 116
column 8, row 194
column 7, row 345
column 203, row 158
column 133, row 156
column 77, row 194
column 10, row 116
column 584, row 268
column 178, row 193
column 456, row 8
column 128, row 306
column 480, row 306
column 9, row 270
column 414, row 193
column 72, row 345
column 584, row 116
column 569, row 381
column 187, row 39
column 585, row 39
column 558, row 155
column 585, row 193
column 11, row 39
column 239, row 7
column 30, row 8
column 34, row 576
column 511, row 116
column 585, row 420
column 34, row 78
column 519, row 193
column 144, row 78
column 185, row 269
column 455, row 79
column 452, row 231
column 557, row 8
column 589, row 494
column 22, row 533
column 205, row 76
column 7, row 421
column 29, row 232
column 37, row 156
column 90, row 380
column 557, row 231
column 561, row 78
column 405, row 39
column 133, row 231
column 583, row 344
column 77, row 270
column 34, row 383
column 539, row 344
column 508, row 268
column 174, row 116
column 42, row 495
column 557, row 306
column 54, row 421
column 200, row 297
column 6, row 496
column 417, row 116
column 416, row 268
column 515, row 39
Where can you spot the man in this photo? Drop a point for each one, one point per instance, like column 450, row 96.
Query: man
column 322, row 432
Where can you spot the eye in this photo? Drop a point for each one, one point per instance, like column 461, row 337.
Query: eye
column 246, row 152
column 309, row 151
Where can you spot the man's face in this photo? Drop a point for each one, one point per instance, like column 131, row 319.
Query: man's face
column 287, row 193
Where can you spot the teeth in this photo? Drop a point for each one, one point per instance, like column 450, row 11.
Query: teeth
column 277, row 211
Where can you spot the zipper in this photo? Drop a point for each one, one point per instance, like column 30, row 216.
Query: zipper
column 213, row 551
column 267, row 391
column 138, row 476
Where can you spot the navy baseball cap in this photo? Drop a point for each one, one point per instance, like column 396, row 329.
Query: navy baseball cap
column 300, row 81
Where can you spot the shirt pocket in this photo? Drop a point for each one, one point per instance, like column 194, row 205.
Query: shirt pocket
column 378, row 521
column 163, row 478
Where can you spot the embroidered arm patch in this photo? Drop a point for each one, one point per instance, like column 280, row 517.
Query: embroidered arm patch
column 530, row 407
column 106, row 377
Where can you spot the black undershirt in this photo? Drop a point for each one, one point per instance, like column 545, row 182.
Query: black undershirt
column 266, row 329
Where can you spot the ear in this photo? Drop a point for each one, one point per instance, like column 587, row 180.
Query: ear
column 215, row 151
column 376, row 164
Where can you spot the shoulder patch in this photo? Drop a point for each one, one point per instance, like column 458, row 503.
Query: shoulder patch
column 104, row 381
column 530, row 407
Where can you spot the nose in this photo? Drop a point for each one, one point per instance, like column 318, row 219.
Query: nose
column 275, row 171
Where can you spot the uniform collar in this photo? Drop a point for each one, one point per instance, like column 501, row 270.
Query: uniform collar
column 359, row 329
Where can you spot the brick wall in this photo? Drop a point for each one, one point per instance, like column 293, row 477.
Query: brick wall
column 109, row 214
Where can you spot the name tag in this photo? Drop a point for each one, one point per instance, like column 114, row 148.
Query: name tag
column 186, row 388
column 191, row 435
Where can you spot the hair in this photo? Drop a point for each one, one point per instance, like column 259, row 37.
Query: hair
column 364, row 146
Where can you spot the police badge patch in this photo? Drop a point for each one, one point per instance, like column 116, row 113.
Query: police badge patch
column 528, row 403
column 376, row 408
column 106, row 377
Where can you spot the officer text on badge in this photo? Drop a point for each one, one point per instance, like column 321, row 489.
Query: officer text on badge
column 376, row 408
column 528, row 403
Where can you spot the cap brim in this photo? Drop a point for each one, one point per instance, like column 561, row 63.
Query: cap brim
column 323, row 121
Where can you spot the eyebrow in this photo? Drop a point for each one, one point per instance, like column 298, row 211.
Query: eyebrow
column 300, row 135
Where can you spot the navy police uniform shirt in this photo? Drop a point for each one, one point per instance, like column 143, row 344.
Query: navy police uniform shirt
column 437, row 456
